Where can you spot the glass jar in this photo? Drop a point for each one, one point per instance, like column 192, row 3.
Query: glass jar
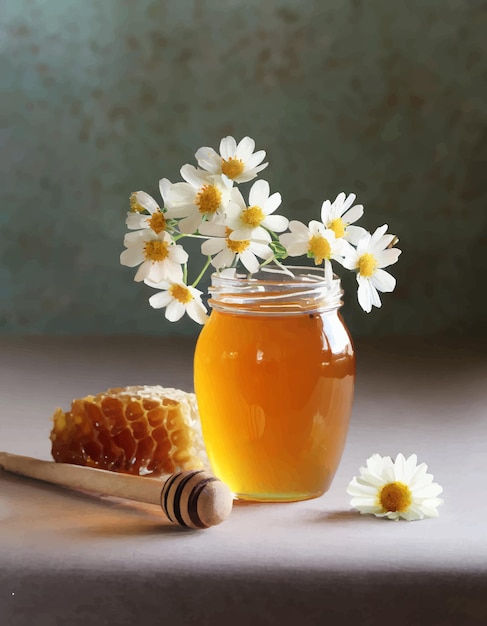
column 274, row 376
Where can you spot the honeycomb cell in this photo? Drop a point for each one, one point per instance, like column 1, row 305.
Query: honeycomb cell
column 133, row 430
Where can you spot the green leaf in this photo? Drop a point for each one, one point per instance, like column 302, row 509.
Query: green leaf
column 278, row 249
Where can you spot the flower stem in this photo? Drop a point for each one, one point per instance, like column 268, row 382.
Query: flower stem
column 201, row 274
column 185, row 273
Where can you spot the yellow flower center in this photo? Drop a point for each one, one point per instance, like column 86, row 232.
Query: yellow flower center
column 320, row 248
column 208, row 199
column 156, row 250
column 367, row 264
column 337, row 226
column 395, row 497
column 135, row 207
column 180, row 293
column 157, row 222
column 232, row 167
column 253, row 216
column 237, row 247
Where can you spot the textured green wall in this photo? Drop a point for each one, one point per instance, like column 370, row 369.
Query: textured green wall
column 101, row 97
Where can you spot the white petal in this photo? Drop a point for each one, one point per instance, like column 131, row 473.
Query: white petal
column 379, row 232
column 383, row 281
column 363, row 243
column 160, row 270
column 139, row 237
column 400, row 469
column 175, row 311
column 259, row 193
column 196, row 311
column 387, row 257
column 164, row 187
column 381, row 243
column 299, row 228
column 147, row 201
column 179, row 193
column 181, row 210
column 190, row 224
column 132, row 257
column 212, row 229
column 173, row 271
column 209, row 160
column 272, row 203
column 260, row 235
column 241, row 234
column 178, row 254
column 160, row 300
column 245, row 148
column 237, row 199
column 364, row 295
column 354, row 214
column 144, row 272
column 350, row 262
column 297, row 248
column 212, row 246
column 253, row 161
column 316, row 228
column 261, row 250
column 194, row 177
column 340, row 199
column 374, row 295
column 136, row 221
column 224, row 258
column 249, row 261
column 354, row 234
column 326, row 211
column 228, row 147
column 346, row 202
column 277, row 223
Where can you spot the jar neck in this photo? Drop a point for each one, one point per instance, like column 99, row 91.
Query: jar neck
column 300, row 290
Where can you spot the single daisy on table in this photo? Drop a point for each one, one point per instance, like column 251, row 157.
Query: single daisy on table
column 238, row 162
column 178, row 299
column 203, row 197
column 250, row 221
column 368, row 260
column 227, row 250
column 316, row 241
column 395, row 489
column 140, row 201
column 156, row 253
column 339, row 214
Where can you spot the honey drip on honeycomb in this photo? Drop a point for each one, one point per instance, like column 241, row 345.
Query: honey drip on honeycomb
column 128, row 431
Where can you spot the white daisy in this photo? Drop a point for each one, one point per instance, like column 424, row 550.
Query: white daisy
column 372, row 254
column 227, row 250
column 340, row 214
column 137, row 219
column 157, row 254
column 237, row 162
column 178, row 299
column 202, row 197
column 395, row 489
column 316, row 241
column 249, row 222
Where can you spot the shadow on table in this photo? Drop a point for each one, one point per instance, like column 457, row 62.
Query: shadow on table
column 340, row 517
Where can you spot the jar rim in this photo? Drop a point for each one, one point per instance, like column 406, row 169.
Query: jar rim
column 275, row 291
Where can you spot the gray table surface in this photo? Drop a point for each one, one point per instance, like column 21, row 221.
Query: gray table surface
column 74, row 559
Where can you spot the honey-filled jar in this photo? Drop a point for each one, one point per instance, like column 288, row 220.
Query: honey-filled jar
column 274, row 376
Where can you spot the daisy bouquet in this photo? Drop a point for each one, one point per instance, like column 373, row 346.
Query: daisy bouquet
column 238, row 230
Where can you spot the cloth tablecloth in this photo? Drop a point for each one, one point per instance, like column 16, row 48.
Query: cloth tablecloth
column 75, row 559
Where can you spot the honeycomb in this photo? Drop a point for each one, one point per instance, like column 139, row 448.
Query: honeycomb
column 145, row 430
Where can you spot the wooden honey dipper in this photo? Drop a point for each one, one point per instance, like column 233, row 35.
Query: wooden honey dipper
column 193, row 498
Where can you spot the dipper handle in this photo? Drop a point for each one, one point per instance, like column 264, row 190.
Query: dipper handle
column 192, row 498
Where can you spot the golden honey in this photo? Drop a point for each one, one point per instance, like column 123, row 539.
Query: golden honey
column 274, row 382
